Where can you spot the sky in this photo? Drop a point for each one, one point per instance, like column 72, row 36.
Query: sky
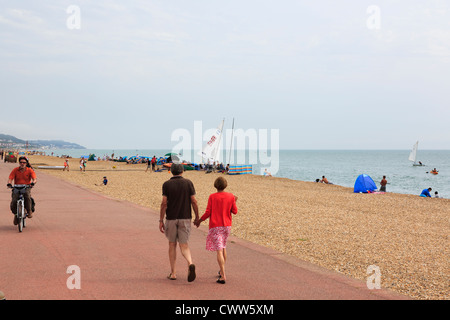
column 324, row 74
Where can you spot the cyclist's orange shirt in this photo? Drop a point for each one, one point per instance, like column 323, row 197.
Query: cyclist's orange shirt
column 22, row 177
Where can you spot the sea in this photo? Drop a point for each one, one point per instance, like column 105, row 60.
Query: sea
column 340, row 167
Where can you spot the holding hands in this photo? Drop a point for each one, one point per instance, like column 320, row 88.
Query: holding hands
column 197, row 222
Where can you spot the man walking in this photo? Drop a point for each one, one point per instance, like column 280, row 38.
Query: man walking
column 178, row 198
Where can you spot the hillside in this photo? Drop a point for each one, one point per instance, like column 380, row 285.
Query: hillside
column 8, row 141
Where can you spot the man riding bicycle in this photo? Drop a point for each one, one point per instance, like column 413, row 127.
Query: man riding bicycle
column 24, row 175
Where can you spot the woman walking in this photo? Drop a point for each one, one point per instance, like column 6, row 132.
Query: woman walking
column 219, row 209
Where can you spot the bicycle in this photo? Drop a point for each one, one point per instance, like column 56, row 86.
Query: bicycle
column 20, row 213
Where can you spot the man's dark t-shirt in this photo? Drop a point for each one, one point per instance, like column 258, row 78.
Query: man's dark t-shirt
column 178, row 191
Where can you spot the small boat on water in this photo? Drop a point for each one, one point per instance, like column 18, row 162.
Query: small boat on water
column 413, row 156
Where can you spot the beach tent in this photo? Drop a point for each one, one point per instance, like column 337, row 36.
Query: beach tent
column 364, row 183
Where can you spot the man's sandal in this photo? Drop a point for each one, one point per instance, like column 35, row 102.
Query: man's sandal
column 170, row 277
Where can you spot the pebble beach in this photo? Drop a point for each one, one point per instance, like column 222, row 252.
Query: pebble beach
column 405, row 236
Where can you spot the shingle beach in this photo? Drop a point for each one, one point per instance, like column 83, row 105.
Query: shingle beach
column 405, row 236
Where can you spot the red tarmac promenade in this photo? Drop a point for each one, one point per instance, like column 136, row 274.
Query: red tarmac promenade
column 121, row 254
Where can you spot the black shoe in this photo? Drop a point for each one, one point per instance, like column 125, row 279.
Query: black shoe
column 191, row 275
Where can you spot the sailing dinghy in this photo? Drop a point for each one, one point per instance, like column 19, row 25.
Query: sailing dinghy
column 413, row 156
column 210, row 152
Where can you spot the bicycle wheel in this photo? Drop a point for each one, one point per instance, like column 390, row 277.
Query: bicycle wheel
column 20, row 215
column 20, row 224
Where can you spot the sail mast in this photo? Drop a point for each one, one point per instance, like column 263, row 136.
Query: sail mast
column 231, row 142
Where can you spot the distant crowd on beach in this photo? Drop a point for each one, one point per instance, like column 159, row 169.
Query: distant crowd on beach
column 13, row 155
column 383, row 183
column 425, row 192
column 153, row 164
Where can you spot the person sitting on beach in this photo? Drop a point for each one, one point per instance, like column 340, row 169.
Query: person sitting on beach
column 105, row 181
column 219, row 209
column 436, row 194
column 221, row 168
column 267, row 173
column 426, row 193
column 324, row 180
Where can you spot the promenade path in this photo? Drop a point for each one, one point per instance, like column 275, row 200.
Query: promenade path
column 122, row 255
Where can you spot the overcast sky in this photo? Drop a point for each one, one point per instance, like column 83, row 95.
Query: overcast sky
column 326, row 74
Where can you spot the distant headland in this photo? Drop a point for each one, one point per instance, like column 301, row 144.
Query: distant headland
column 11, row 142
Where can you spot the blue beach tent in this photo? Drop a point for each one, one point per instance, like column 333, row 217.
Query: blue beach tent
column 364, row 183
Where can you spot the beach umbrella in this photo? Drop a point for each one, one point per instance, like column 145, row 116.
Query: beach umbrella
column 170, row 154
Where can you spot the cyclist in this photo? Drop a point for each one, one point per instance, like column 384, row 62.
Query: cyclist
column 24, row 174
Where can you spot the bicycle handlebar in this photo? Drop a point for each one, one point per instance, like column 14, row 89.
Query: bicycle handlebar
column 19, row 186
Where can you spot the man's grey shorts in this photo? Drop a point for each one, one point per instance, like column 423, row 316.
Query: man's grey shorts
column 178, row 230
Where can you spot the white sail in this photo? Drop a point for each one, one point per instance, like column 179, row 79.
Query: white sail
column 211, row 149
column 413, row 154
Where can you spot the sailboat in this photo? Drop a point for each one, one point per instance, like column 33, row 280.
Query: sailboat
column 210, row 151
column 413, row 155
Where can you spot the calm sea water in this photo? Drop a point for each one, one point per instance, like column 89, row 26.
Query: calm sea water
column 341, row 167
